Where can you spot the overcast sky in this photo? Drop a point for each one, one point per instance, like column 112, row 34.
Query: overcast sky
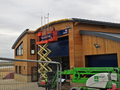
column 18, row 15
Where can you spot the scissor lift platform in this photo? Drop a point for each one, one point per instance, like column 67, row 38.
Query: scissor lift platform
column 46, row 37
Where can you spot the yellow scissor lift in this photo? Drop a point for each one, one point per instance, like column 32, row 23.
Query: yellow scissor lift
column 43, row 40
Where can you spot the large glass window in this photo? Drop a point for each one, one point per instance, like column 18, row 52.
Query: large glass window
column 19, row 50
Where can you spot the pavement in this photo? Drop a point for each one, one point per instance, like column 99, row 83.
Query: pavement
column 11, row 84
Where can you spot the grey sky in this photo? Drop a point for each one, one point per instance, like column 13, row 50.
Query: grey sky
column 18, row 15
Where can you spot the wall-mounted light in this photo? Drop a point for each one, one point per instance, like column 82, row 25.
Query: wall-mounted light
column 72, row 67
column 68, row 27
column 97, row 46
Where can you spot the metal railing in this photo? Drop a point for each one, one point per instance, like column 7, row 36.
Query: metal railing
column 8, row 75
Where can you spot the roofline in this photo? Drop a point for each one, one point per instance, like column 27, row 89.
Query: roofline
column 96, row 22
column 81, row 21
column 101, row 34
column 54, row 22
column 22, row 34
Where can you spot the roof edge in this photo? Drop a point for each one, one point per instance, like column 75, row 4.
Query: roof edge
column 17, row 40
column 87, row 21
column 96, row 22
column 54, row 22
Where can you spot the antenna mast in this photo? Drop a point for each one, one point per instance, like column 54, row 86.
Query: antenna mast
column 46, row 21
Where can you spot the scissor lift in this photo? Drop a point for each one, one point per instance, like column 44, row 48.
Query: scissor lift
column 43, row 39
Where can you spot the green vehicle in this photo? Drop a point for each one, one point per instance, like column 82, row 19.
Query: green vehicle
column 94, row 78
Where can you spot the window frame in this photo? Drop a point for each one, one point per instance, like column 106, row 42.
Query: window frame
column 20, row 69
column 32, row 43
column 16, row 69
column 19, row 49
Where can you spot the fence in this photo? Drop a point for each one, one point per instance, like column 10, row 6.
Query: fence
column 22, row 78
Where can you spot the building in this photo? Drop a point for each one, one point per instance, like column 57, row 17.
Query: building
column 81, row 43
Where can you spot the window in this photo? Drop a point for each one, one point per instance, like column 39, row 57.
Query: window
column 19, row 50
column 16, row 69
column 32, row 46
column 19, row 69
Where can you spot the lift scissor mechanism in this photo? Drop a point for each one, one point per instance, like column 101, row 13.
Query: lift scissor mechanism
column 44, row 52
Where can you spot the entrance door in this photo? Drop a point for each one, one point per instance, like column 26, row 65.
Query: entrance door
column 109, row 60
column 34, row 73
